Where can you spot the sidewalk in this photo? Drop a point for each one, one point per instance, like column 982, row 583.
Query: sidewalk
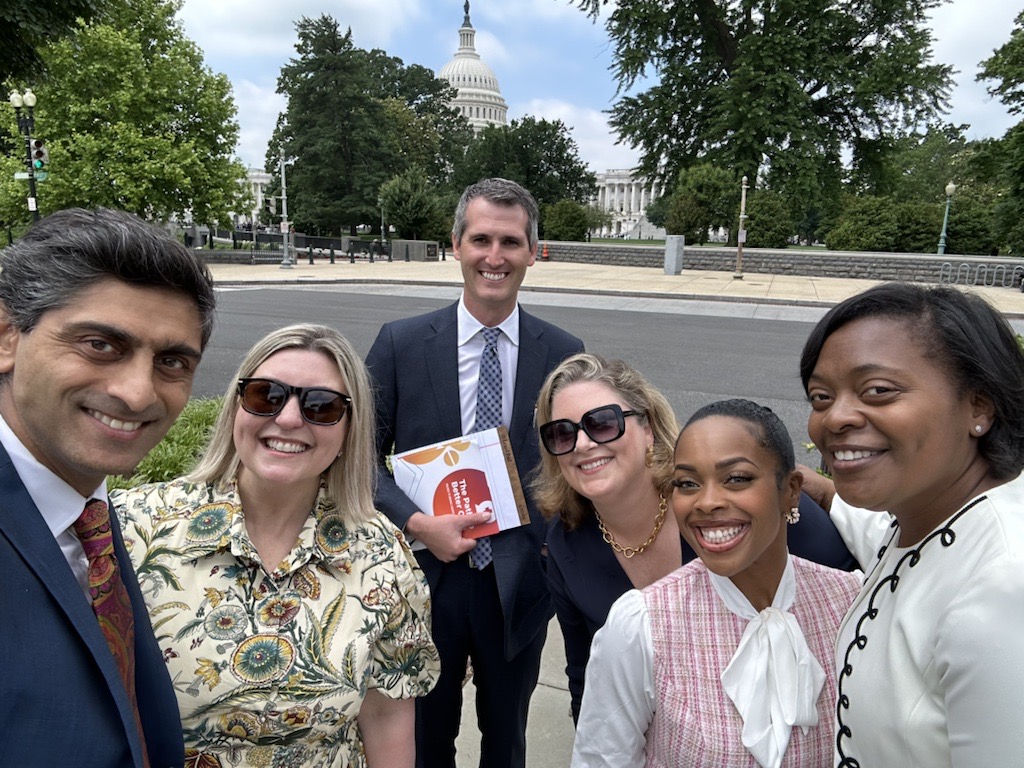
column 754, row 288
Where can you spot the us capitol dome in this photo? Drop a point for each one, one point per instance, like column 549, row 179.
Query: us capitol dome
column 479, row 98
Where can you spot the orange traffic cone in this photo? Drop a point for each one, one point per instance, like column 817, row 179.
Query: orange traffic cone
column 544, row 253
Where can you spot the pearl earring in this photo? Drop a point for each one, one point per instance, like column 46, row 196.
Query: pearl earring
column 977, row 428
column 793, row 516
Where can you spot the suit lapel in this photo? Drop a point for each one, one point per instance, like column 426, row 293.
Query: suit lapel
column 441, row 362
column 530, row 373
column 24, row 527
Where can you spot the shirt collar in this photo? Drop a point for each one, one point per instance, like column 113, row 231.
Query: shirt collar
column 324, row 536
column 58, row 503
column 773, row 678
column 469, row 326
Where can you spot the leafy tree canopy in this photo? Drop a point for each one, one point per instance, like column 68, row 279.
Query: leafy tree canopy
column 565, row 220
column 1006, row 68
column 745, row 82
column 539, row 154
column 705, row 197
column 354, row 120
column 413, row 206
column 27, row 26
column 134, row 120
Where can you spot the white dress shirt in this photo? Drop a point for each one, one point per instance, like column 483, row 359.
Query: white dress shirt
column 471, row 349
column 59, row 504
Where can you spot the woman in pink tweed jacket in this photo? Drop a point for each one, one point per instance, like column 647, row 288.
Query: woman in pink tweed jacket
column 725, row 662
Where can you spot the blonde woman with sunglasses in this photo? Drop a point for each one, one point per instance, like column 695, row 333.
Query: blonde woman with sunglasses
column 292, row 616
column 605, row 482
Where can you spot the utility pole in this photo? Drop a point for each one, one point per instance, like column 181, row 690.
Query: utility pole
column 741, row 236
column 286, row 262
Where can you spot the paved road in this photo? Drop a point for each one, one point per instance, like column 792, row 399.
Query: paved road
column 691, row 356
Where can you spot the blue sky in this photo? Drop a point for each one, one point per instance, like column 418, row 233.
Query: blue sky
column 550, row 59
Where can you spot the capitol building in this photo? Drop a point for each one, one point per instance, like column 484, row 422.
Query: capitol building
column 479, row 98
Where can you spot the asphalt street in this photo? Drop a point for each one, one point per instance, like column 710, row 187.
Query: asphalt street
column 693, row 357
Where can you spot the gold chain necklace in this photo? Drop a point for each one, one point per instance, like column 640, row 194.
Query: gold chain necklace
column 628, row 552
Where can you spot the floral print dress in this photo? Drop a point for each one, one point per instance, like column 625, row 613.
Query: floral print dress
column 271, row 668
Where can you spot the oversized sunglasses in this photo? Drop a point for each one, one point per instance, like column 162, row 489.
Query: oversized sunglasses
column 602, row 425
column 267, row 397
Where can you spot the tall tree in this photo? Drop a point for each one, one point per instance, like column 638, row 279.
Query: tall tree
column 705, row 197
column 134, row 120
column 539, row 154
column 744, row 81
column 355, row 119
column 413, row 207
column 27, row 26
column 1006, row 68
column 332, row 130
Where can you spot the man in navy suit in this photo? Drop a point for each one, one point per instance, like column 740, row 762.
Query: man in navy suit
column 103, row 319
column 491, row 609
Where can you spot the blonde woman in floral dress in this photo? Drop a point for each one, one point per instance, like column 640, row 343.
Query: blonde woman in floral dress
column 292, row 616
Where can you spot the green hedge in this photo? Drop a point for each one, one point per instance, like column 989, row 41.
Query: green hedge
column 176, row 454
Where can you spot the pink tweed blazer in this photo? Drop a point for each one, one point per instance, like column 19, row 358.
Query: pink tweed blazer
column 695, row 636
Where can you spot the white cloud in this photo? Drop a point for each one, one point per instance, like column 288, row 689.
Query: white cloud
column 964, row 35
column 492, row 50
column 258, row 108
column 590, row 130
column 266, row 28
column 529, row 12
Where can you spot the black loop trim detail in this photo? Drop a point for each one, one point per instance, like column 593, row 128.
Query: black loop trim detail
column 946, row 537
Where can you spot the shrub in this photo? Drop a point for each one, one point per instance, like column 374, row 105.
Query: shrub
column 769, row 222
column 566, row 220
column 176, row 454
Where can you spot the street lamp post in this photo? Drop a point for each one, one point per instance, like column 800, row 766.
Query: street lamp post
column 26, row 124
column 950, row 189
column 741, row 236
column 286, row 262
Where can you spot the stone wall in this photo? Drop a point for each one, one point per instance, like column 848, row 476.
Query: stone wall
column 927, row 268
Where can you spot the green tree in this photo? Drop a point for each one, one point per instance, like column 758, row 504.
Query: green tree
column 705, row 197
column 598, row 218
column 412, row 206
column 566, row 220
column 133, row 119
column 1006, row 68
column 354, row 120
column 745, row 83
column 539, row 154
column 769, row 220
column 29, row 25
column 866, row 224
column 657, row 212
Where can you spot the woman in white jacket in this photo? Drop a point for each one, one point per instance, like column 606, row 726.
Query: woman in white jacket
column 917, row 400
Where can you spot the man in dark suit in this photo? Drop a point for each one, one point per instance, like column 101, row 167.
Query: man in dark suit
column 102, row 322
column 490, row 601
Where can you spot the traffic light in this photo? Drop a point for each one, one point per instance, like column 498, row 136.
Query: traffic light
column 40, row 155
column 271, row 205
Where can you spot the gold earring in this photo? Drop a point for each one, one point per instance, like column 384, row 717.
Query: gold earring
column 649, row 458
column 793, row 516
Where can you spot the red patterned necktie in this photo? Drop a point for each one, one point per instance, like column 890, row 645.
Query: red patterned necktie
column 110, row 601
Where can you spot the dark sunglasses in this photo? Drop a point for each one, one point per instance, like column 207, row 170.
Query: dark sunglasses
column 602, row 425
column 267, row 397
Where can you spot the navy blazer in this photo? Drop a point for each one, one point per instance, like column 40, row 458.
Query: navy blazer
column 585, row 578
column 414, row 363
column 62, row 701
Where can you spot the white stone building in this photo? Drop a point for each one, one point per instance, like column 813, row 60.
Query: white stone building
column 626, row 197
column 479, row 98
